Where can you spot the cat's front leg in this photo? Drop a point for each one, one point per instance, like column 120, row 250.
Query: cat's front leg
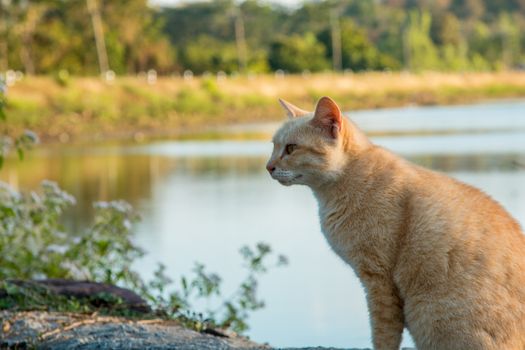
column 386, row 314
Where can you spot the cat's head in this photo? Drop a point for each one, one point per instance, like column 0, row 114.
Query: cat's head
column 313, row 148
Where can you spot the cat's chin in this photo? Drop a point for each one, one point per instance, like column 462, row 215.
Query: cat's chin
column 290, row 182
column 286, row 183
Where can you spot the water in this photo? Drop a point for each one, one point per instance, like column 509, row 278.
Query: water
column 200, row 201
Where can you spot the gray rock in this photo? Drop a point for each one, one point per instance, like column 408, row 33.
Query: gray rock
column 321, row 348
column 63, row 331
column 57, row 331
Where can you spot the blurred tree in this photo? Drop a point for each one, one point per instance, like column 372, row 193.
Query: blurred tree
column 446, row 29
column 298, row 53
column 250, row 25
column 455, row 58
column 311, row 17
column 262, row 22
column 483, row 47
column 447, row 34
column 387, row 34
column 138, row 38
column 185, row 23
column 46, row 36
column 64, row 39
column 422, row 53
column 207, row 54
column 509, row 35
column 358, row 52
column 28, row 19
column 470, row 9
column 49, row 35
column 98, row 33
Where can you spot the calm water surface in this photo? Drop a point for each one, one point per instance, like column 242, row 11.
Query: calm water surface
column 200, row 201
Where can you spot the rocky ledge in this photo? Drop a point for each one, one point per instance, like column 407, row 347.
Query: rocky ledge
column 38, row 329
column 31, row 318
column 65, row 331
column 54, row 330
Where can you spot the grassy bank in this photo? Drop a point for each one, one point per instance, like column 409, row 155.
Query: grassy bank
column 89, row 108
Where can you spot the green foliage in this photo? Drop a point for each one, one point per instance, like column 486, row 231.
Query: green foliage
column 509, row 36
column 454, row 57
column 446, row 30
column 28, row 295
column 49, row 36
column 358, row 52
column 34, row 297
column 31, row 238
column 20, row 143
column 423, row 54
column 231, row 312
column 298, row 53
column 34, row 244
column 2, row 102
column 208, row 54
column 446, row 44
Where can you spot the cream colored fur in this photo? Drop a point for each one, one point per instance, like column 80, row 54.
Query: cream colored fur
column 434, row 255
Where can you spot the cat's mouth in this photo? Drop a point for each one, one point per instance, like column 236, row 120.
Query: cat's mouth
column 285, row 177
column 289, row 181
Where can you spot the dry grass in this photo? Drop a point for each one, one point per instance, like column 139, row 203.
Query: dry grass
column 90, row 107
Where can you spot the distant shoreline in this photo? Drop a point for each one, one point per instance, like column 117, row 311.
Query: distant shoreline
column 90, row 109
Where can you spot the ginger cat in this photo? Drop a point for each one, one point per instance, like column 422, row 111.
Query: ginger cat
column 434, row 255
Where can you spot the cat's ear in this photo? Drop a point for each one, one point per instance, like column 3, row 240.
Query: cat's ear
column 328, row 117
column 291, row 110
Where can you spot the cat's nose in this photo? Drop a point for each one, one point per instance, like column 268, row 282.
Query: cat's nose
column 270, row 168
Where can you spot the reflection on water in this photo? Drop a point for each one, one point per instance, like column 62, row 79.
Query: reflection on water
column 200, row 201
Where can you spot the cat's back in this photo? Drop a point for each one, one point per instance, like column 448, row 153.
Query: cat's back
column 441, row 203
column 463, row 257
column 447, row 216
column 433, row 203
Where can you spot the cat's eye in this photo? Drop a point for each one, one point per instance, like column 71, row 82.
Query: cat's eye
column 290, row 148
